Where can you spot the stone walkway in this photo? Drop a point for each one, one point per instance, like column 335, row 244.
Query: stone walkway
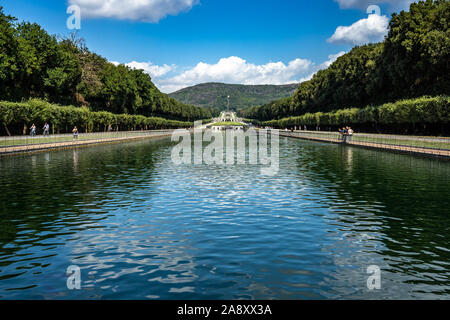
column 415, row 150
column 74, row 143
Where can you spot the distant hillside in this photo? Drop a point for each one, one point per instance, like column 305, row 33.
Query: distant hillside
column 241, row 96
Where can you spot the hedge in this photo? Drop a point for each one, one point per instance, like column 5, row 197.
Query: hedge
column 424, row 110
column 18, row 116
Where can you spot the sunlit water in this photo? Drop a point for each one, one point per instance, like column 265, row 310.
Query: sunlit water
column 140, row 227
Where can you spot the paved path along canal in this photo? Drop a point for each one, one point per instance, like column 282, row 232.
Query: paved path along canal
column 16, row 145
column 407, row 144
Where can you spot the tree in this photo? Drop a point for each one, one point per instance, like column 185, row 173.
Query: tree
column 8, row 56
column 34, row 64
column 37, row 52
column 413, row 61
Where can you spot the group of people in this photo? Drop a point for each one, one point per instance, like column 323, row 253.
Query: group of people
column 346, row 134
column 46, row 130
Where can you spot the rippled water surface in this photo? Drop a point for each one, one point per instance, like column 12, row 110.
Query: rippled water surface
column 140, row 227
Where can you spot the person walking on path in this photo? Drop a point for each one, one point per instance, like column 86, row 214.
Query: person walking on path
column 343, row 134
column 46, row 129
column 75, row 132
column 33, row 130
column 350, row 133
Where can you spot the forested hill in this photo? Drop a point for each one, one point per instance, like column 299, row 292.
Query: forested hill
column 35, row 64
column 413, row 61
column 241, row 96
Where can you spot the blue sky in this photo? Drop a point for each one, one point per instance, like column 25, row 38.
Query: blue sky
column 185, row 42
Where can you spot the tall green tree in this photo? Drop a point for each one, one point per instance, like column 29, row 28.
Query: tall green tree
column 35, row 64
column 414, row 60
column 8, row 56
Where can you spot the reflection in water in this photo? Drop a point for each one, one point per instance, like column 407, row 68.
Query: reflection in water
column 349, row 158
column 141, row 227
column 75, row 161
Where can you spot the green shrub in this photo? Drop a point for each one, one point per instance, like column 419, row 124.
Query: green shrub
column 424, row 110
column 64, row 118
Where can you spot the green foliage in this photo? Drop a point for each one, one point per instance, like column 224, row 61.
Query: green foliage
column 34, row 64
column 412, row 61
column 229, row 123
column 8, row 52
column 63, row 118
column 424, row 110
column 241, row 96
column 417, row 49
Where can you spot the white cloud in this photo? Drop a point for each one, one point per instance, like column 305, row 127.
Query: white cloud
column 331, row 58
column 232, row 70
column 153, row 70
column 141, row 10
column 363, row 4
column 237, row 70
column 371, row 29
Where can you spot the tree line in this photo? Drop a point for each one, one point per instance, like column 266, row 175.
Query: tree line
column 17, row 118
column 411, row 62
column 409, row 116
column 35, row 64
